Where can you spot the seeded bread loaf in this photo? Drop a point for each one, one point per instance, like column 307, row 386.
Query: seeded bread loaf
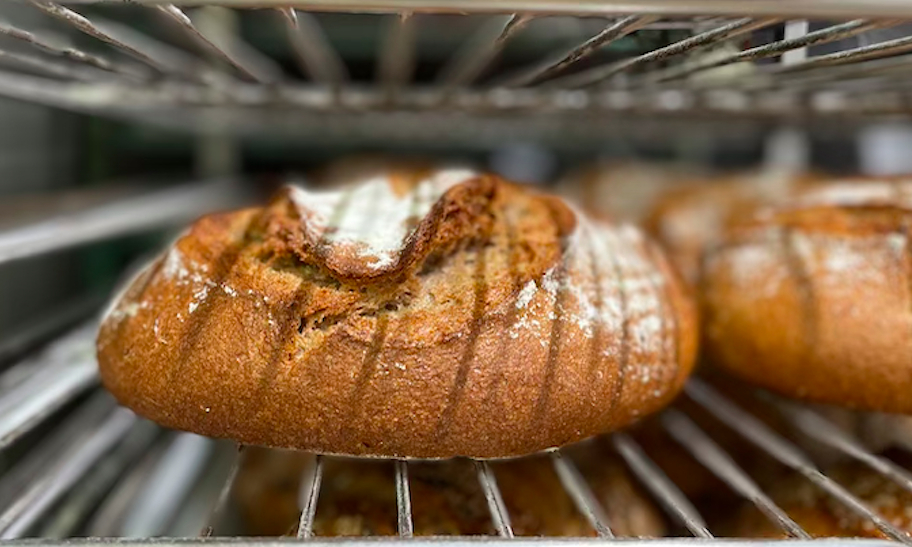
column 811, row 298
column 422, row 315
column 358, row 497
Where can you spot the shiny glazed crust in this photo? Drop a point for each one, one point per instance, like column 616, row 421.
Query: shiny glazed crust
column 424, row 315
column 813, row 300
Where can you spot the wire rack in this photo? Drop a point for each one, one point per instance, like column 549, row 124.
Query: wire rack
column 62, row 463
column 713, row 62
column 710, row 61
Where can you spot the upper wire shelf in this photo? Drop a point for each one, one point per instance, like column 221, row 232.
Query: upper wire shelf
column 801, row 8
column 182, row 66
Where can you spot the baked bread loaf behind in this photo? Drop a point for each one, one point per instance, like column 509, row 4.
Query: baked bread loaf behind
column 812, row 299
column 691, row 217
column 358, row 498
column 425, row 315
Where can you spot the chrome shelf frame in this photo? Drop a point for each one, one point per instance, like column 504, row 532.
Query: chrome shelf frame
column 796, row 8
column 226, row 85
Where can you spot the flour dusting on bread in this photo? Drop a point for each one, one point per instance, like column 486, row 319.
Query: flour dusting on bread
column 376, row 219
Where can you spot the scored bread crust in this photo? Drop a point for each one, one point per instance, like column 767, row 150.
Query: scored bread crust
column 427, row 314
column 690, row 218
column 812, row 299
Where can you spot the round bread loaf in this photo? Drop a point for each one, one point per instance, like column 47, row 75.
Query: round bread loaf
column 812, row 299
column 821, row 515
column 689, row 219
column 422, row 315
column 358, row 497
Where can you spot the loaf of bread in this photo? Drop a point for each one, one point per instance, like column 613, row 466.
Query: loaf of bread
column 421, row 315
column 358, row 498
column 811, row 298
column 691, row 217
column 821, row 515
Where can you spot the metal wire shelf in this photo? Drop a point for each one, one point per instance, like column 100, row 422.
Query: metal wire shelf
column 822, row 8
column 226, row 85
column 66, row 370
column 222, row 83
column 59, row 463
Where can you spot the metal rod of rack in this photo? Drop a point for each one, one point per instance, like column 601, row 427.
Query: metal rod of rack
column 582, row 495
column 724, row 32
column 499, row 515
column 315, row 55
column 660, row 485
column 168, row 483
column 65, row 518
column 777, row 91
column 797, row 8
column 396, row 61
column 91, row 59
column 33, row 334
column 470, row 62
column 69, row 466
column 822, row 430
column 454, row 541
column 711, row 455
column 772, row 49
column 129, row 215
column 613, row 32
column 254, row 67
column 46, row 382
column 405, row 523
column 225, row 491
column 311, row 482
column 54, row 68
column 113, row 513
column 86, row 26
column 787, row 453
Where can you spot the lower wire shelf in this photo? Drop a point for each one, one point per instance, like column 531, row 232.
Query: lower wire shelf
column 99, row 464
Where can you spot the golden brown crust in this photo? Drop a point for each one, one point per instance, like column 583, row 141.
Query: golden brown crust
column 690, row 218
column 498, row 323
column 812, row 299
column 358, row 498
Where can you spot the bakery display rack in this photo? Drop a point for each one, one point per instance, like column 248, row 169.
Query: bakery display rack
column 688, row 61
column 77, row 462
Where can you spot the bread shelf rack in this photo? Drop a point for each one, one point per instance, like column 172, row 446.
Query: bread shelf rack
column 733, row 66
column 96, row 431
column 66, row 370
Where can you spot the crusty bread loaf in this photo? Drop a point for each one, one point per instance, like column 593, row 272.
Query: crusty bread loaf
column 812, row 299
column 358, row 498
column 690, row 218
column 425, row 315
column 821, row 515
